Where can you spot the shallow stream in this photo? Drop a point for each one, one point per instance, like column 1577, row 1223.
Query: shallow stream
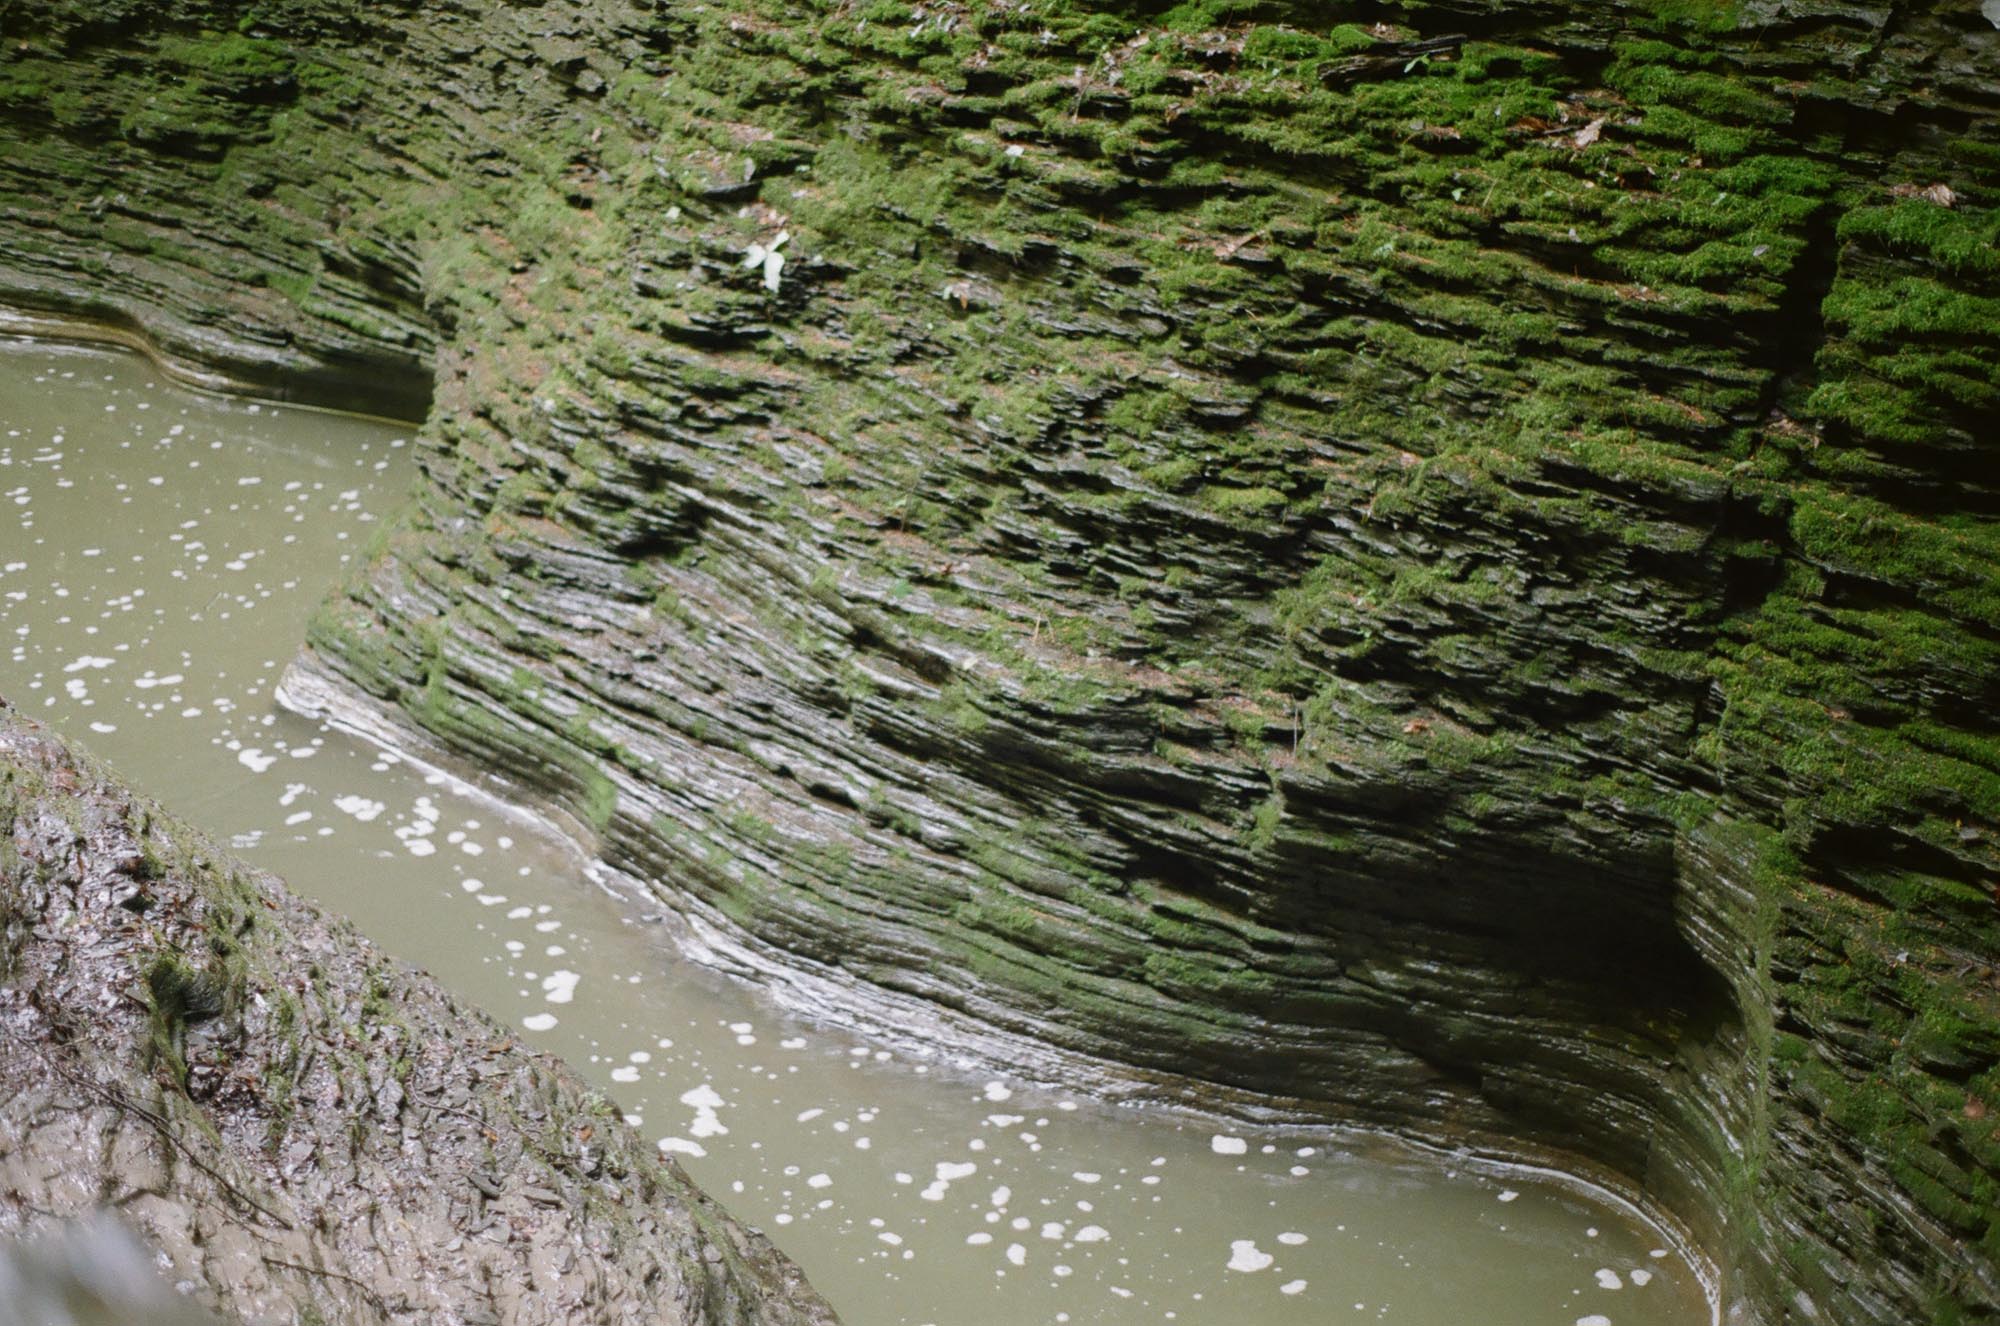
column 160, row 553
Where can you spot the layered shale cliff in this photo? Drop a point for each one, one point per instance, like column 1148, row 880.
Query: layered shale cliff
column 1432, row 564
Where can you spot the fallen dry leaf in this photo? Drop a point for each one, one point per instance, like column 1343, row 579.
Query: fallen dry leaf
column 1941, row 194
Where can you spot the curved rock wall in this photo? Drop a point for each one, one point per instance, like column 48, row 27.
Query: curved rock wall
column 1433, row 564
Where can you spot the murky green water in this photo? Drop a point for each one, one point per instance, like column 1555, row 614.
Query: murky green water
column 159, row 555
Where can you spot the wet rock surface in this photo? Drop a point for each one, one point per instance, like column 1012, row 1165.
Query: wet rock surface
column 297, row 1127
column 1434, row 567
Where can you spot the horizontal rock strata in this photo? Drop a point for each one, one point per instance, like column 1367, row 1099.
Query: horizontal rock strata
column 1433, row 564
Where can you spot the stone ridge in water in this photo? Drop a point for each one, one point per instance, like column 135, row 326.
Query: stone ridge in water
column 304, row 1129
column 1445, row 573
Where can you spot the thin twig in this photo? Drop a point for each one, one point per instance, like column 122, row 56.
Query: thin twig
column 119, row 1100
column 374, row 1298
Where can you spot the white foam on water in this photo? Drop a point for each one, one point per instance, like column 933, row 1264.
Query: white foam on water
column 1608, row 1278
column 539, row 1021
column 1223, row 1145
column 1244, row 1255
column 1092, row 1234
column 1291, row 1238
column 1639, row 1276
column 559, row 987
column 1508, row 1195
column 361, row 808
column 705, row 1102
column 998, row 1091
column 1292, row 1287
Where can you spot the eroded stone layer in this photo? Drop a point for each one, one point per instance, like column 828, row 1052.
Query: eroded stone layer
column 1433, row 564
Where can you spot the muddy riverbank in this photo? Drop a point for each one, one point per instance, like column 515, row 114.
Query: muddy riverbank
column 297, row 1124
